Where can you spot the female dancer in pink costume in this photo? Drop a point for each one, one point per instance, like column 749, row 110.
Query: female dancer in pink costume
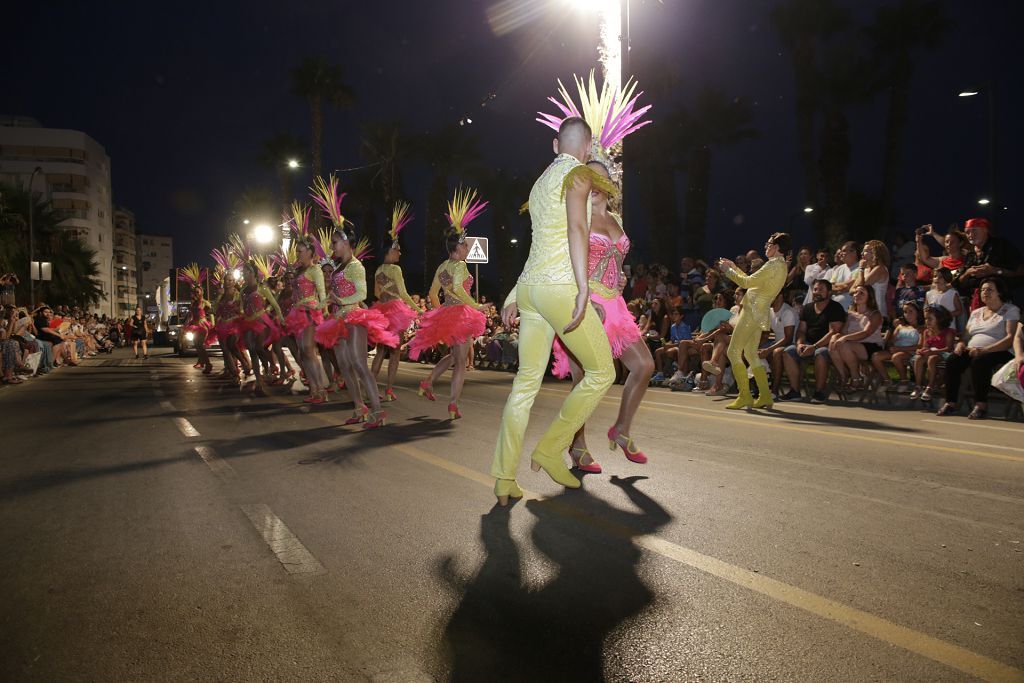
column 608, row 248
column 306, row 314
column 199, row 316
column 611, row 117
column 259, row 329
column 460, row 320
column 393, row 300
column 351, row 328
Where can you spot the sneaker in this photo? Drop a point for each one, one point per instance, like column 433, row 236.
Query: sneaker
column 659, row 377
column 711, row 368
column 678, row 376
column 818, row 397
column 791, row 395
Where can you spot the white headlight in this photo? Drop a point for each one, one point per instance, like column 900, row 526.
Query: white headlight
column 190, row 336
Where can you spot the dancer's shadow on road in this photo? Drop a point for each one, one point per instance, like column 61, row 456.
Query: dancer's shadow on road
column 504, row 631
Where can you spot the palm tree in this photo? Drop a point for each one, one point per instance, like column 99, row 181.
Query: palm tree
column 276, row 153
column 384, row 145
column 716, row 121
column 804, row 27
column 897, row 33
column 317, row 81
column 450, row 151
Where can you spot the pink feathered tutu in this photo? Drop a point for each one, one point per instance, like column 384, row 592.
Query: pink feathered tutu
column 264, row 322
column 398, row 313
column 618, row 324
column 330, row 331
column 448, row 325
column 204, row 326
column 299, row 318
column 376, row 324
column 227, row 328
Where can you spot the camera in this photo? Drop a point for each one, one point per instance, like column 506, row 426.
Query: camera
column 923, row 230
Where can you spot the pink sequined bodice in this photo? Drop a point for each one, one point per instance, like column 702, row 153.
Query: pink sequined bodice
column 606, row 257
column 467, row 285
column 340, row 285
column 230, row 309
column 254, row 303
column 306, row 287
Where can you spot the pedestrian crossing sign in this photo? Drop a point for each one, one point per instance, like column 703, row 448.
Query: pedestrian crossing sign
column 477, row 250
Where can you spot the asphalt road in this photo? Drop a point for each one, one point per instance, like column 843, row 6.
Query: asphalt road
column 159, row 525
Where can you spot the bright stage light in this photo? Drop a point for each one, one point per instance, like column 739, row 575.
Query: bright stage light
column 983, row 202
column 245, row 221
column 263, row 234
column 236, row 273
column 293, row 163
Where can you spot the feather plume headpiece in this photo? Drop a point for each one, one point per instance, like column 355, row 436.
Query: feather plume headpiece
column 192, row 275
column 297, row 219
column 240, row 248
column 322, row 243
column 463, row 208
column 361, row 249
column 261, row 266
column 611, row 115
column 400, row 217
column 328, row 197
column 227, row 262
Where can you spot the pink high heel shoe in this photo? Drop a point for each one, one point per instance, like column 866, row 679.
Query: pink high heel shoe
column 591, row 467
column 359, row 415
column 629, row 449
column 426, row 390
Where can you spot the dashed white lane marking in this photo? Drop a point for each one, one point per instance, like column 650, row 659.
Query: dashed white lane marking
column 185, row 427
column 218, row 465
column 285, row 545
column 969, row 424
column 167, row 405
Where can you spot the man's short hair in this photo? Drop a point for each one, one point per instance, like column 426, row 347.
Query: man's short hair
column 784, row 242
column 828, row 285
column 574, row 129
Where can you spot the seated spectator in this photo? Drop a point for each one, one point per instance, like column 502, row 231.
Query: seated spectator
column 678, row 332
column 954, row 252
column 984, row 347
column 658, row 322
column 691, row 273
column 716, row 350
column 842, row 274
column 901, row 343
column 942, row 294
column 874, row 272
column 704, row 296
column 861, row 338
column 988, row 257
column 820, row 321
column 907, row 288
column 784, row 321
column 816, row 271
column 935, row 347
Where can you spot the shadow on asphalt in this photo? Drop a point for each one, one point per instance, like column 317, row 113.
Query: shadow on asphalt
column 53, row 478
column 409, row 430
column 502, row 630
column 832, row 421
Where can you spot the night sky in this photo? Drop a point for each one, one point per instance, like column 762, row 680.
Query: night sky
column 182, row 94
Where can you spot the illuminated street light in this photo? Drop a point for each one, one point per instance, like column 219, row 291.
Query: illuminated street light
column 263, row 234
column 293, row 163
column 808, row 209
column 983, row 202
column 968, row 93
column 514, row 240
column 245, row 221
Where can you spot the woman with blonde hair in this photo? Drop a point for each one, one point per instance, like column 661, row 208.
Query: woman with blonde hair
column 874, row 272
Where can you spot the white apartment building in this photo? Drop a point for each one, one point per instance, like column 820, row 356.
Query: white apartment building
column 125, row 264
column 75, row 177
column 154, row 256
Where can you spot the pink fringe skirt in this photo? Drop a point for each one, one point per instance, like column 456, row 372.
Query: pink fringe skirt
column 400, row 316
column 330, row 332
column 377, row 326
column 257, row 326
column 448, row 325
column 618, row 324
column 204, row 327
column 300, row 318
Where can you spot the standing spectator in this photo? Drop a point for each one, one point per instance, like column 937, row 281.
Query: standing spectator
column 820, row 321
column 874, row 272
column 10, row 350
column 907, row 288
column 816, row 271
column 841, row 276
column 7, row 284
column 954, row 252
column 783, row 321
column 862, row 337
column 990, row 257
column 140, row 332
column 984, row 348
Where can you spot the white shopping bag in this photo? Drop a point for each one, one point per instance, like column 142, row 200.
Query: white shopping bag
column 1005, row 380
column 33, row 361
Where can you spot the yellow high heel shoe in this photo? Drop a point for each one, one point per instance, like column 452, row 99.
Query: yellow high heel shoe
column 505, row 489
column 556, row 469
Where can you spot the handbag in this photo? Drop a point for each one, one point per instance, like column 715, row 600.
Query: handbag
column 1007, row 380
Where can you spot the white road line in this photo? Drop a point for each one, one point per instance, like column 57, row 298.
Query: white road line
column 218, row 465
column 167, row 405
column 288, row 549
column 969, row 424
column 185, row 427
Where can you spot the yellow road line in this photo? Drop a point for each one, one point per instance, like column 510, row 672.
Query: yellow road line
column 937, row 650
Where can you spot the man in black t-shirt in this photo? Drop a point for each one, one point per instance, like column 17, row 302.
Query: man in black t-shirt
column 987, row 256
column 820, row 320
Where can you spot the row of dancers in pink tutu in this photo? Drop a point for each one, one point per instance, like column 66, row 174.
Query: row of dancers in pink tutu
column 315, row 306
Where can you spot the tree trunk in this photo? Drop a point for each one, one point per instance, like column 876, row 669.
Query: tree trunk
column 433, row 238
column 896, row 125
column 698, row 182
column 316, row 111
column 834, row 164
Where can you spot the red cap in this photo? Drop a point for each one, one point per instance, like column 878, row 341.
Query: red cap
column 977, row 223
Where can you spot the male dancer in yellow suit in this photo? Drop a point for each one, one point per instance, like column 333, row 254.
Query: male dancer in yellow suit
column 552, row 297
column 762, row 286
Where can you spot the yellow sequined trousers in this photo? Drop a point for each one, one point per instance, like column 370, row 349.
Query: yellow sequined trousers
column 745, row 340
column 543, row 309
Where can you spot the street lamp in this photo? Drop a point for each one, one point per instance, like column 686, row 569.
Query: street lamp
column 514, row 241
column 293, row 163
column 245, row 221
column 808, row 209
column 32, row 240
column 984, row 202
column 989, row 88
column 263, row 234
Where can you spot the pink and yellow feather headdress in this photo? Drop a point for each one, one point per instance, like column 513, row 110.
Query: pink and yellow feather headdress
column 400, row 217
column 463, row 208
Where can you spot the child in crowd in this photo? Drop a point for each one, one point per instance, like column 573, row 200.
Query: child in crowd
column 901, row 343
column 679, row 331
column 907, row 288
column 936, row 345
column 942, row 294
